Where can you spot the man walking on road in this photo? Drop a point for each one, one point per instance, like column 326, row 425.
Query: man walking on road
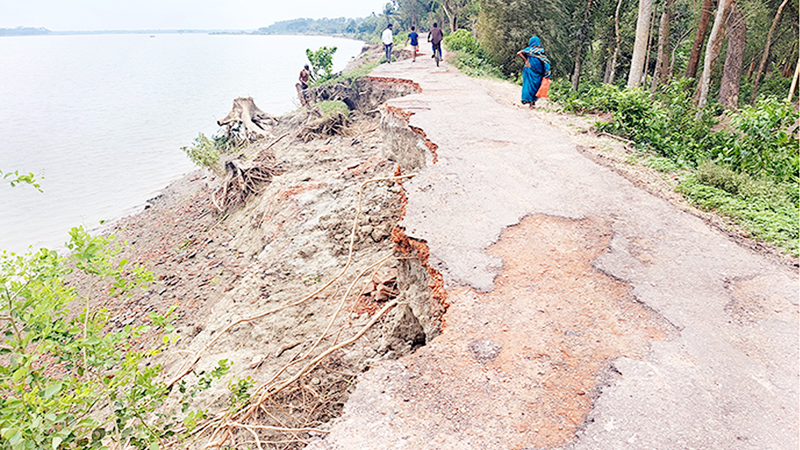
column 387, row 39
column 435, row 37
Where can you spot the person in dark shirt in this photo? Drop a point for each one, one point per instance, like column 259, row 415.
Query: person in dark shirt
column 414, row 38
column 305, row 75
column 435, row 37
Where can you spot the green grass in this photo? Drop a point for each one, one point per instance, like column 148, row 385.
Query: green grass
column 762, row 216
column 330, row 108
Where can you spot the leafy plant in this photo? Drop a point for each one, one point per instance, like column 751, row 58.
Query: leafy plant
column 66, row 380
column 321, row 63
column 470, row 57
column 14, row 178
column 204, row 152
column 190, row 391
column 764, row 143
column 240, row 392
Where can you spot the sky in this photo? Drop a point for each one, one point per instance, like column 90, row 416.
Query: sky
column 93, row 15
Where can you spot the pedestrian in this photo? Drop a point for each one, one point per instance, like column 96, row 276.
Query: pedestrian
column 435, row 37
column 305, row 75
column 537, row 68
column 413, row 37
column 388, row 40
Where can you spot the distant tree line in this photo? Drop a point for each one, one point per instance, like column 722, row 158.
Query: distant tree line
column 732, row 49
column 23, row 31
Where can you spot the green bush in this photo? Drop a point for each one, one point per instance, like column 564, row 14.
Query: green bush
column 321, row 63
column 469, row 56
column 204, row 152
column 763, row 144
column 66, row 380
column 462, row 41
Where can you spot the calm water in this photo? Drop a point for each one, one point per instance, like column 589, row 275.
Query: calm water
column 103, row 117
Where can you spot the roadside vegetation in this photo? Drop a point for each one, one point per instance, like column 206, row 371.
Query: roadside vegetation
column 729, row 136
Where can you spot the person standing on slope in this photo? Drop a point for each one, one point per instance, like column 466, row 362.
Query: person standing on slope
column 435, row 37
column 388, row 40
column 537, row 67
column 305, row 75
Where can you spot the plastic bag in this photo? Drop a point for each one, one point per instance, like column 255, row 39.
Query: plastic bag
column 542, row 92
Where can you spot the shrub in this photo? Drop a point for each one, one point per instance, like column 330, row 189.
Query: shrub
column 764, row 144
column 204, row 152
column 66, row 381
column 321, row 63
column 462, row 41
column 469, row 56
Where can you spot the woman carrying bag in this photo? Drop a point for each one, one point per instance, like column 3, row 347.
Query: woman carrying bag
column 536, row 73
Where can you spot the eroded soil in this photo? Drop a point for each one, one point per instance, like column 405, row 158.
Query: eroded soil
column 530, row 372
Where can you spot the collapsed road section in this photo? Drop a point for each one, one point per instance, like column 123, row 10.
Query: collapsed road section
column 585, row 313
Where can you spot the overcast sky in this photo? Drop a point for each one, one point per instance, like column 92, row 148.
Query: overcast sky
column 87, row 15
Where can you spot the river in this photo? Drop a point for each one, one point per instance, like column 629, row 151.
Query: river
column 102, row 118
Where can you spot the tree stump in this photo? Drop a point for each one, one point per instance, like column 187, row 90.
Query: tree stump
column 246, row 122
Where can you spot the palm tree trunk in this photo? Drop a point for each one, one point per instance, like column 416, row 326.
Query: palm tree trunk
column 794, row 81
column 662, row 62
column 611, row 68
column 576, row 74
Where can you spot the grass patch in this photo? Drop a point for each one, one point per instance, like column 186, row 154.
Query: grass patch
column 331, row 108
column 765, row 217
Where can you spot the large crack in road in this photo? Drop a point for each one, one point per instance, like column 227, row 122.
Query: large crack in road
column 585, row 313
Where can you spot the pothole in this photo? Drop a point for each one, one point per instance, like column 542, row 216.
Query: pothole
column 526, row 360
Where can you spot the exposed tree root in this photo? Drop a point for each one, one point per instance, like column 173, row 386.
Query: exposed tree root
column 321, row 125
column 244, row 178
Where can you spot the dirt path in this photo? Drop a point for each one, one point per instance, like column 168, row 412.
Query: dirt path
column 585, row 312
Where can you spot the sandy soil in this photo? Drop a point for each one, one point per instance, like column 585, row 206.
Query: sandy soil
column 272, row 258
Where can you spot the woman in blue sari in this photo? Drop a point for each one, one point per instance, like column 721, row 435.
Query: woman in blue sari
column 537, row 66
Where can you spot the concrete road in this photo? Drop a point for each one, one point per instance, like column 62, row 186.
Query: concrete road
column 586, row 313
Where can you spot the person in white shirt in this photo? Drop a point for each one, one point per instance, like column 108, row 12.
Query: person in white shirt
column 386, row 37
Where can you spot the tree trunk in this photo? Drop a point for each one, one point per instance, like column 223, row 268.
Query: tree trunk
column 794, row 81
column 576, row 74
column 765, row 55
column 649, row 46
column 712, row 52
column 699, row 38
column 640, row 44
column 732, row 72
column 662, row 62
column 611, row 67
